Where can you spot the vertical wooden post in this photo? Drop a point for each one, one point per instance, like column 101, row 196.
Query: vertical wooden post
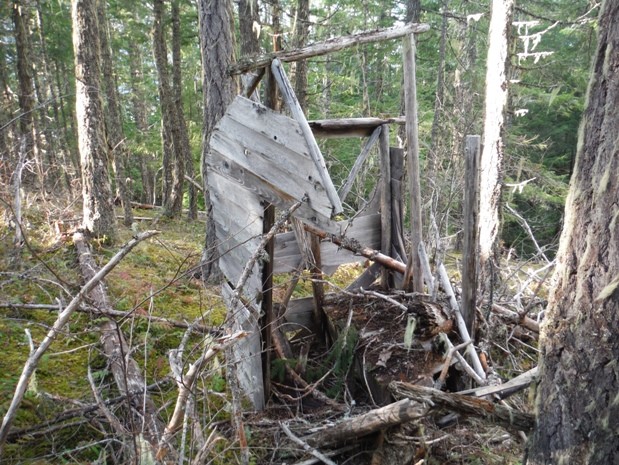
column 396, row 156
column 413, row 270
column 385, row 201
column 470, row 225
column 267, row 268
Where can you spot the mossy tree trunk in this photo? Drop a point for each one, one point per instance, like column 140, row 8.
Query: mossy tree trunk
column 99, row 216
column 577, row 398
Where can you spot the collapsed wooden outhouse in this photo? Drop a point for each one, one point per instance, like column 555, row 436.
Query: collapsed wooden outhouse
column 261, row 160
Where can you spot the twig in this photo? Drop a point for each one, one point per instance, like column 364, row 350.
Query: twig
column 306, row 447
column 438, row 384
column 60, row 322
column 185, row 385
column 528, row 230
column 464, row 332
column 384, row 297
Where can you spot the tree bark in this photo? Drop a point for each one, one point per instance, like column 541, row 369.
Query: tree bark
column 99, row 218
column 577, row 404
column 113, row 119
column 491, row 162
column 181, row 136
column 219, row 88
column 173, row 160
column 300, row 39
column 26, row 92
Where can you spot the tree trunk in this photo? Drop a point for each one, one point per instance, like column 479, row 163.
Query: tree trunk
column 26, row 93
column 8, row 135
column 492, row 153
column 138, row 109
column 173, row 161
column 99, row 216
column 577, row 404
column 182, row 138
column 219, row 89
column 300, row 39
column 113, row 119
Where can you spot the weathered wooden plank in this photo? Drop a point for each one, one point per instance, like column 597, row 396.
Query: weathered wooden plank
column 272, row 170
column 290, row 98
column 385, row 201
column 349, row 127
column 246, row 354
column 365, row 229
column 248, row 180
column 328, row 46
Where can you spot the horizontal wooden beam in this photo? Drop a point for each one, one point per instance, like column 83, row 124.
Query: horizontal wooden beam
column 328, row 46
column 350, row 127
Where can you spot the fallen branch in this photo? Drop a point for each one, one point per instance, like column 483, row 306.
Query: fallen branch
column 514, row 317
column 399, row 412
column 506, row 389
column 84, row 308
column 359, row 249
column 306, row 447
column 185, row 386
column 60, row 322
column 473, row 406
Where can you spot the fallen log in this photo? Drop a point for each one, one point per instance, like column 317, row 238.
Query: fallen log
column 471, row 406
column 126, row 372
column 352, row 429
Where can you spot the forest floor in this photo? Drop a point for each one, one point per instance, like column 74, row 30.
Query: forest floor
column 159, row 278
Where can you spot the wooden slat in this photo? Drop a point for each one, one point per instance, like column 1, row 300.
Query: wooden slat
column 366, row 229
column 246, row 353
column 244, row 178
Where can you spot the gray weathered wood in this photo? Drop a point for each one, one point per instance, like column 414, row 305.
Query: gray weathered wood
column 297, row 113
column 328, row 46
column 385, row 200
column 350, row 127
column 470, row 225
column 365, row 229
column 413, row 271
column 397, row 217
column 232, row 171
column 247, row 352
column 271, row 147
column 365, row 152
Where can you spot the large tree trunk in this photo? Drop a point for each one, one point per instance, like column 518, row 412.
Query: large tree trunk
column 300, row 39
column 219, row 88
column 492, row 154
column 577, row 402
column 99, row 216
column 113, row 120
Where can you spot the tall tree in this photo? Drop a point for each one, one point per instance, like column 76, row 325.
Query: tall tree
column 181, row 135
column 99, row 216
column 300, row 39
column 173, row 160
column 494, row 126
column 577, row 402
column 219, row 88
column 26, row 92
column 113, row 119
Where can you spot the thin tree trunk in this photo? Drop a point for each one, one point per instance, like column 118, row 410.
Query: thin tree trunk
column 26, row 92
column 577, row 402
column 181, row 127
column 99, row 217
column 173, row 161
column 300, row 39
column 113, row 120
column 494, row 122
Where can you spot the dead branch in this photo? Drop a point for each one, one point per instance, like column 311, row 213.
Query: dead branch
column 399, row 412
column 185, row 385
column 60, row 322
column 473, row 406
column 328, row 46
column 506, row 389
column 85, row 308
column 306, row 447
column 356, row 247
column 514, row 317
